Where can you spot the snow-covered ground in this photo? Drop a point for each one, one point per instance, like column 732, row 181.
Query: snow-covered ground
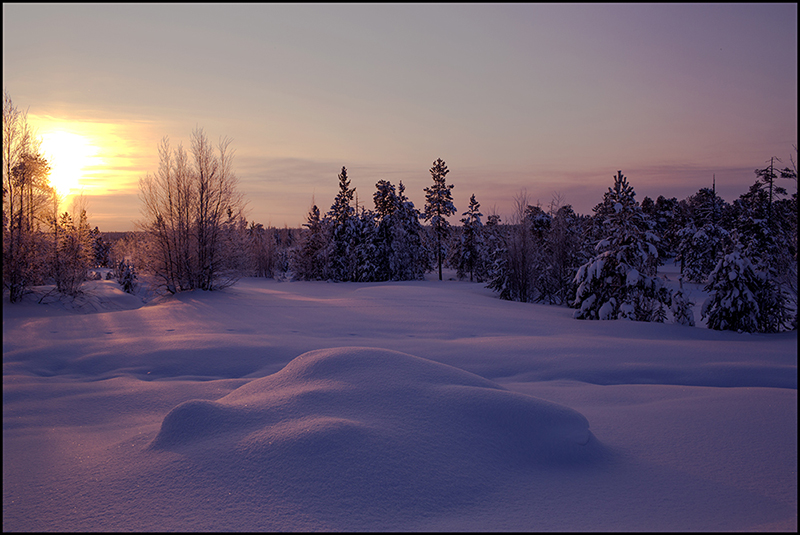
column 387, row 406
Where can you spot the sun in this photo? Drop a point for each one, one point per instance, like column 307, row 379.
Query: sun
column 69, row 154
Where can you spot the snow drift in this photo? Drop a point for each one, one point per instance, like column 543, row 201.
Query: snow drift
column 379, row 424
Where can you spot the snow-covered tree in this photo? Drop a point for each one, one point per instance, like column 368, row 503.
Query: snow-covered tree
column 73, row 253
column 470, row 247
column 409, row 259
column 665, row 215
column 262, row 247
column 682, row 312
column 362, row 247
column 341, row 212
column 310, row 260
column 620, row 282
column 126, row 276
column 438, row 206
column 766, row 229
column 733, row 287
column 399, row 253
column 699, row 250
column 387, row 205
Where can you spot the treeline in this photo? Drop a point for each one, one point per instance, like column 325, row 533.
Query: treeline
column 194, row 236
column 603, row 265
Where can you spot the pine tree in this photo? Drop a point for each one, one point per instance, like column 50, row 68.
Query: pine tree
column 538, row 223
column 497, row 249
column 438, row 206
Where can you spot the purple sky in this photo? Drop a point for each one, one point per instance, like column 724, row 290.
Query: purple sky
column 541, row 98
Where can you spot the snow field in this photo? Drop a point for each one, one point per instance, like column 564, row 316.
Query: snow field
column 390, row 406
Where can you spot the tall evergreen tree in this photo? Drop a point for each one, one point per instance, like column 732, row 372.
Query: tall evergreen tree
column 438, row 206
column 363, row 247
column 470, row 246
column 494, row 250
column 310, row 260
column 341, row 212
column 765, row 229
column 620, row 282
column 702, row 241
column 409, row 260
column 387, row 204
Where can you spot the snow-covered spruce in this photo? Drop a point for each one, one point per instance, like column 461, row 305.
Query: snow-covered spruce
column 699, row 250
column 733, row 303
column 620, row 281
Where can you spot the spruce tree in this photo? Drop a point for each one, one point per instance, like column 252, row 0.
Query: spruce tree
column 363, row 249
column 387, row 205
column 733, row 302
column 341, row 261
column 310, row 260
column 438, row 206
column 700, row 250
column 409, row 259
column 471, row 243
column 619, row 282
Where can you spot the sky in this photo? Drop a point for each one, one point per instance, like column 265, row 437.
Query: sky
column 546, row 100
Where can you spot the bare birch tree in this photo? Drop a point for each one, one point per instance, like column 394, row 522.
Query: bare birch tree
column 192, row 214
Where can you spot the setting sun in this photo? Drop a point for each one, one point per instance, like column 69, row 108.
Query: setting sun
column 69, row 155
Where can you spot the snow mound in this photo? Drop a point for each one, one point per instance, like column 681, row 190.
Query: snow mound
column 373, row 424
column 374, row 413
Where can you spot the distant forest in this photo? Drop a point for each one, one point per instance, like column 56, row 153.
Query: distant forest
column 194, row 236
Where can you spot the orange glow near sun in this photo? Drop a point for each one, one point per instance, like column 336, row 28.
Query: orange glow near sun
column 69, row 154
column 90, row 157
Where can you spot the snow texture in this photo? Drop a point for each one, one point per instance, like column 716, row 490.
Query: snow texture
column 418, row 405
